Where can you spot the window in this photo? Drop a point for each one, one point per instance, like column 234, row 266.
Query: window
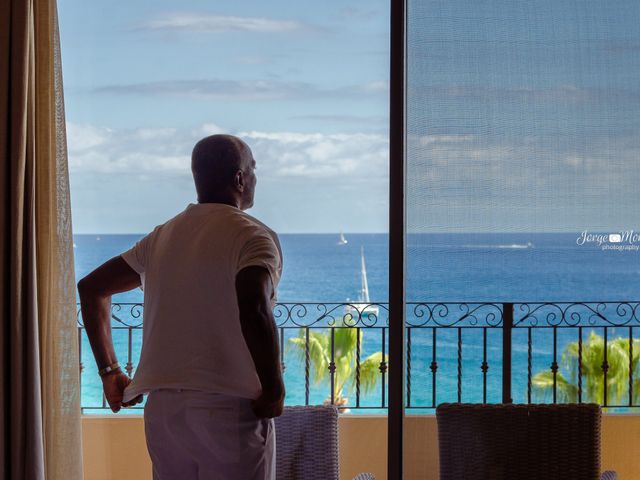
column 307, row 89
column 522, row 228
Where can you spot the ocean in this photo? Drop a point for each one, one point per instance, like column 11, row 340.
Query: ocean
column 471, row 267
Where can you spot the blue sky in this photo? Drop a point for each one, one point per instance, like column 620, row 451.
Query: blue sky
column 521, row 117
column 304, row 84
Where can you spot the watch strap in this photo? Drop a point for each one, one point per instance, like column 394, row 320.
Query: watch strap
column 109, row 369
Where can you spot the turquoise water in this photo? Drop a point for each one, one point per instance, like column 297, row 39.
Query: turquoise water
column 440, row 268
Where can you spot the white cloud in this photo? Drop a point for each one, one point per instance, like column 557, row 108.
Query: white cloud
column 446, row 163
column 83, row 137
column 202, row 22
column 162, row 151
column 133, row 151
column 458, row 181
column 376, row 87
column 498, row 95
column 350, row 156
column 481, row 167
column 431, row 139
column 247, row 90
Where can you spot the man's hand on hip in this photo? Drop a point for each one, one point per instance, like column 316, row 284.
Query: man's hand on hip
column 269, row 404
column 113, row 386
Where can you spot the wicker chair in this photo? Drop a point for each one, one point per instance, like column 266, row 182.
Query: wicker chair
column 495, row 442
column 307, row 444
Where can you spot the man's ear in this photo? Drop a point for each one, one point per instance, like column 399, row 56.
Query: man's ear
column 239, row 181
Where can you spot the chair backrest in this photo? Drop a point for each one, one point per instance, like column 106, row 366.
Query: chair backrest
column 495, row 442
column 307, row 443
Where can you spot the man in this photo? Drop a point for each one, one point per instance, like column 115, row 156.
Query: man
column 210, row 356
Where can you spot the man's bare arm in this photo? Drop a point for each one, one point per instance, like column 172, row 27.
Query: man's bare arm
column 96, row 289
column 254, row 291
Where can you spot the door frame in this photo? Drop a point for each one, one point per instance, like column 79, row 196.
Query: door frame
column 397, row 232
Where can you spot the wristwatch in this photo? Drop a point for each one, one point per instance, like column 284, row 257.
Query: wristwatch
column 109, row 369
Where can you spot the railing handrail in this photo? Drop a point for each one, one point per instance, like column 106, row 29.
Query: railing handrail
column 434, row 315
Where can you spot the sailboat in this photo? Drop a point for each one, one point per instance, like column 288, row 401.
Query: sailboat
column 363, row 306
column 342, row 241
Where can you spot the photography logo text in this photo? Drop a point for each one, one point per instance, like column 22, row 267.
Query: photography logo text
column 626, row 240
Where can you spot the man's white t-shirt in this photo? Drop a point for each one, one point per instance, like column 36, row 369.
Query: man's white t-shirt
column 192, row 338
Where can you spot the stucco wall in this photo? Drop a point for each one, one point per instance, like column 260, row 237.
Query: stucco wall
column 114, row 447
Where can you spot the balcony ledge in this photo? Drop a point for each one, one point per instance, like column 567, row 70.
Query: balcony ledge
column 114, row 446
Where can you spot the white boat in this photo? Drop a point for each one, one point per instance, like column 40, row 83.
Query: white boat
column 342, row 241
column 517, row 245
column 363, row 306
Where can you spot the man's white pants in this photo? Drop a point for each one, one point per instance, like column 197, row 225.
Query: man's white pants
column 193, row 435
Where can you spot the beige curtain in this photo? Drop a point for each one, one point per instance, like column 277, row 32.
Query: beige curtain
column 40, row 430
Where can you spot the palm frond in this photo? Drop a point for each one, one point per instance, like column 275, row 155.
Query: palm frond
column 542, row 384
column 370, row 372
column 319, row 353
column 591, row 359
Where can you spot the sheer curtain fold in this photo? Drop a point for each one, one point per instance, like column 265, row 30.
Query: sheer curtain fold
column 40, row 425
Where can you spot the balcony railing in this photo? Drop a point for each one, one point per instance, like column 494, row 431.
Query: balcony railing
column 474, row 352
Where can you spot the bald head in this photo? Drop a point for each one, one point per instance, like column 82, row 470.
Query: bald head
column 222, row 167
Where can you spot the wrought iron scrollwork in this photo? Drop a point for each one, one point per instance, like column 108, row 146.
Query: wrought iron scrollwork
column 452, row 314
column 576, row 314
column 320, row 315
column 431, row 317
column 126, row 315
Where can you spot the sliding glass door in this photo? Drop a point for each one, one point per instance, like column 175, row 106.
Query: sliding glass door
column 521, row 137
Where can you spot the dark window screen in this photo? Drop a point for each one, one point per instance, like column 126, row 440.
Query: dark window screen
column 523, row 187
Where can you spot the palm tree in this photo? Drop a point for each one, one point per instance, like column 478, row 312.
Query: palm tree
column 345, row 344
column 593, row 378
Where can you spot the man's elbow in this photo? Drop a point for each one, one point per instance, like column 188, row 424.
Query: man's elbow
column 83, row 285
column 87, row 288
